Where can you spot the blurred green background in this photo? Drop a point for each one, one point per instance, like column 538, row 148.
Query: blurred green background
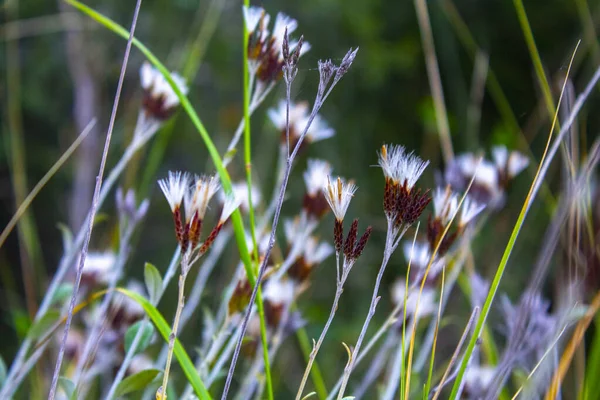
column 385, row 98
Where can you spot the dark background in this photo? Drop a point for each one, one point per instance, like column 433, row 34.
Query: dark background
column 384, row 98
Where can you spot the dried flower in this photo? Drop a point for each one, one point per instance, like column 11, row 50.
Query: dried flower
column 427, row 303
column 402, row 205
column 195, row 199
column 353, row 248
column 265, row 57
column 469, row 210
column 419, row 256
column 509, row 164
column 477, row 379
column 315, row 178
column 160, row 101
column 313, row 253
column 240, row 297
column 278, row 295
column 338, row 196
column 98, row 268
column 299, row 117
column 445, row 205
column 240, row 191
column 175, row 188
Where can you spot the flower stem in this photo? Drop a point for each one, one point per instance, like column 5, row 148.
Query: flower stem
column 173, row 336
column 390, row 246
column 317, row 346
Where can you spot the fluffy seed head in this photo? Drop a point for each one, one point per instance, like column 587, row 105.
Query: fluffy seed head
column 445, row 204
column 509, row 163
column 470, row 209
column 400, row 167
column 315, row 176
column 160, row 99
column 338, row 196
column 196, row 202
column 175, row 187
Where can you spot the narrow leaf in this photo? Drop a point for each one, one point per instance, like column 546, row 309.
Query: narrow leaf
column 136, row 382
column 43, row 324
column 67, row 386
column 132, row 331
column 165, row 330
column 153, row 281
column 63, row 292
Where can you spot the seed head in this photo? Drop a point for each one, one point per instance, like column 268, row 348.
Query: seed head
column 338, row 196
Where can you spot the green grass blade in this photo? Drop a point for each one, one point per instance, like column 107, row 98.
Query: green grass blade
column 535, row 56
column 165, row 330
column 236, row 217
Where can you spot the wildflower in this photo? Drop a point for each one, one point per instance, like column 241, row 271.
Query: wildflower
column 445, row 205
column 240, row 297
column 418, row 254
column 402, row 204
column 338, row 196
column 160, row 101
column 477, row 379
column 240, row 191
column 195, row 199
column 313, row 254
column 315, row 178
column 485, row 188
column 231, row 204
column 509, row 164
column 469, row 210
column 298, row 229
column 98, row 268
column 278, row 295
column 427, row 303
column 265, row 57
column 298, row 118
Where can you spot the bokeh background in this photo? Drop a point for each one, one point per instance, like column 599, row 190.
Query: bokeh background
column 59, row 69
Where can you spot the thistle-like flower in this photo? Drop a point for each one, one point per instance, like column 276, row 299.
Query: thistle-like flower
column 402, row 204
column 313, row 254
column 419, row 256
column 160, row 100
column 315, row 178
column 509, row 164
column 299, row 117
column 338, row 196
column 240, row 191
column 265, row 56
column 98, row 268
column 469, row 210
column 427, row 303
column 195, row 199
column 278, row 295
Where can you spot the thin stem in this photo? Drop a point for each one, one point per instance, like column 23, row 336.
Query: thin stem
column 86, row 242
column 435, row 81
column 138, row 337
column 390, row 246
column 547, row 157
column 174, row 329
column 317, row 346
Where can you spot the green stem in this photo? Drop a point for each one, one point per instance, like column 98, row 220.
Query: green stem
column 535, row 57
column 248, row 168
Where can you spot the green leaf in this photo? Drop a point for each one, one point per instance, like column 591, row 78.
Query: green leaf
column 153, row 281
column 132, row 331
column 67, row 237
column 67, row 386
column 63, row 292
column 165, row 330
column 136, row 382
column 43, row 324
column 2, row 372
